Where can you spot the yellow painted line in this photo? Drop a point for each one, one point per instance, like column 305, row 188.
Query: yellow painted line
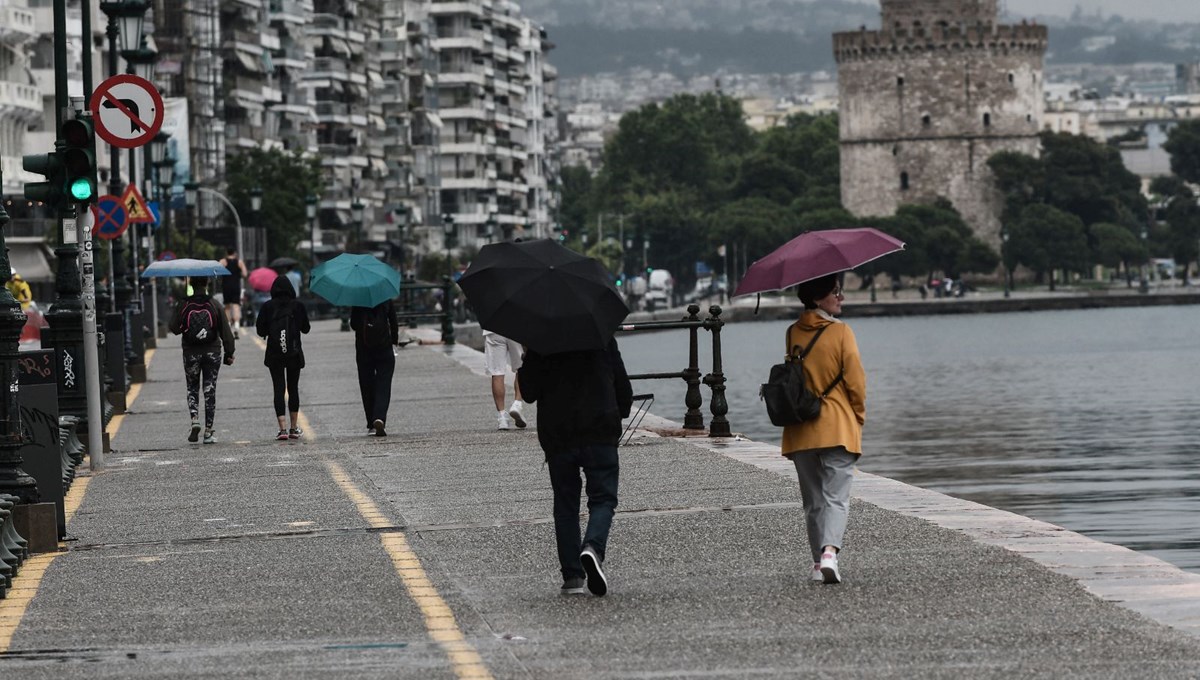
column 439, row 620
column 25, row 586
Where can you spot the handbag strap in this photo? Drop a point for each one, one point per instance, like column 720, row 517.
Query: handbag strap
column 808, row 348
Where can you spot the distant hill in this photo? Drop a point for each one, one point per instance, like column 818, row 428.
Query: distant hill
column 690, row 37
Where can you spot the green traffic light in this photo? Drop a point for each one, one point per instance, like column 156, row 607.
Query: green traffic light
column 81, row 189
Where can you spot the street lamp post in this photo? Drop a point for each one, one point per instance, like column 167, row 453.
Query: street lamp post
column 1004, row 260
column 310, row 211
column 356, row 214
column 490, row 229
column 166, row 192
column 190, row 194
column 403, row 215
column 256, row 196
column 13, row 479
column 1144, row 283
column 448, row 229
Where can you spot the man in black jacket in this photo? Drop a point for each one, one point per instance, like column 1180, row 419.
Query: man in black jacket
column 581, row 397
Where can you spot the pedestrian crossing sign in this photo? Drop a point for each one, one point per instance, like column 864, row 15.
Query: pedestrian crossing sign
column 135, row 207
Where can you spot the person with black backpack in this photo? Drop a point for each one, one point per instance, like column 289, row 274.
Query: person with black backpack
column 825, row 447
column 376, row 330
column 281, row 321
column 206, row 338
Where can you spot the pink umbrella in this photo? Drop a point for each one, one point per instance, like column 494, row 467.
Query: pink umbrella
column 262, row 278
column 814, row 254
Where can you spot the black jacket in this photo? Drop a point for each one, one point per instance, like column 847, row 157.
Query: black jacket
column 224, row 336
column 282, row 294
column 581, row 396
column 358, row 320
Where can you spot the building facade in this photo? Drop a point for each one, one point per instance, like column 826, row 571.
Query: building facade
column 925, row 101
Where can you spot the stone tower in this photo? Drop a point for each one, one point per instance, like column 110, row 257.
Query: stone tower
column 928, row 98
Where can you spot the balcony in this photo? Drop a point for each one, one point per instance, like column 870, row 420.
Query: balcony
column 463, row 113
column 452, row 7
column 464, row 148
column 20, row 101
column 17, row 25
column 287, row 12
column 468, row 40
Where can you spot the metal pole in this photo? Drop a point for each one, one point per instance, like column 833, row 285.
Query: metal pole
column 312, row 242
column 86, row 7
column 91, row 352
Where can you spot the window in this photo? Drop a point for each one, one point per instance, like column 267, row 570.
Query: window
column 926, row 120
column 987, row 120
column 1011, row 78
column 904, row 181
column 899, row 81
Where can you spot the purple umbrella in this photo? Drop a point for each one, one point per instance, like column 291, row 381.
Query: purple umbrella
column 814, row 254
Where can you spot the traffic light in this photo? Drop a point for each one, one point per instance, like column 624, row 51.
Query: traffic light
column 50, row 166
column 79, row 158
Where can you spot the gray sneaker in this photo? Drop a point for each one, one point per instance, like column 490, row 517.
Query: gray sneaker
column 210, row 437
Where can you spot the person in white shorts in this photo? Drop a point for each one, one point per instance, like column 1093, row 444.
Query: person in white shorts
column 501, row 355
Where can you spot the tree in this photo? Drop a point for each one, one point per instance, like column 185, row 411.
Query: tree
column 1183, row 220
column 673, row 223
column 1045, row 239
column 286, row 180
column 576, row 197
column 1088, row 179
column 1183, row 143
column 687, row 143
column 946, row 242
column 757, row 224
column 1114, row 245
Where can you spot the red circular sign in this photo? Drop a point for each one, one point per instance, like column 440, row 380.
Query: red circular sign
column 127, row 111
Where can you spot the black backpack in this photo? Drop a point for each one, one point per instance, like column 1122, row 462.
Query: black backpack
column 788, row 399
column 284, row 335
column 199, row 324
column 377, row 327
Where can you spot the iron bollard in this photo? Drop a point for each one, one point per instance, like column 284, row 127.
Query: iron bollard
column 693, row 419
column 719, row 425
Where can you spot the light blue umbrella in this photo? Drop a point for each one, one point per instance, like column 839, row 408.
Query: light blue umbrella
column 355, row 281
column 184, row 267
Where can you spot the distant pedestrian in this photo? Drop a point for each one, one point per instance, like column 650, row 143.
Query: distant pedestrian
column 282, row 320
column 206, row 338
column 20, row 290
column 376, row 332
column 231, row 287
column 581, row 397
column 825, row 450
column 500, row 355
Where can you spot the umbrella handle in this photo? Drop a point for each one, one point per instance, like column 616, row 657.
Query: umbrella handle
column 757, row 302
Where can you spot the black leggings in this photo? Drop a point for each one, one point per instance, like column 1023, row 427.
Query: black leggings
column 292, row 384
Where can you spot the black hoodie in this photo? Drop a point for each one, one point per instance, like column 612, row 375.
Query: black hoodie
column 283, row 295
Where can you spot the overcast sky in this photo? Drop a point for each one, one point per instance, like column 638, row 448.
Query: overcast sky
column 1161, row 10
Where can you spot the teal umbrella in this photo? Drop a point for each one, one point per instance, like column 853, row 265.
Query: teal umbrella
column 355, row 281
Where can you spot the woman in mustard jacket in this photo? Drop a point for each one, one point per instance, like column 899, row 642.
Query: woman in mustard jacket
column 826, row 449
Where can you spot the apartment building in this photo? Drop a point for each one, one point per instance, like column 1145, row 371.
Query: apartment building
column 415, row 107
column 492, row 89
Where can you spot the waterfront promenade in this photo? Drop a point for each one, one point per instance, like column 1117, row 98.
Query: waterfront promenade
column 429, row 554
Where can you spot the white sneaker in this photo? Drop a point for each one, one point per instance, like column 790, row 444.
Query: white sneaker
column 514, row 412
column 502, row 421
column 829, row 568
column 816, row 573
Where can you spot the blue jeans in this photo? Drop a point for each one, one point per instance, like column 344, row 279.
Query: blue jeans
column 601, row 467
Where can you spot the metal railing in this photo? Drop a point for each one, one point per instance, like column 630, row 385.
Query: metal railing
column 408, row 294
column 693, row 419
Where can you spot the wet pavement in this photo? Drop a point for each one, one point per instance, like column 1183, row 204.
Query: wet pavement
column 430, row 554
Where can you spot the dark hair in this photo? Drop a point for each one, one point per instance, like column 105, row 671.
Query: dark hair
column 811, row 291
column 230, row 251
column 200, row 284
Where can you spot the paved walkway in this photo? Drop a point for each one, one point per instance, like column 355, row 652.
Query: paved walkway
column 429, row 554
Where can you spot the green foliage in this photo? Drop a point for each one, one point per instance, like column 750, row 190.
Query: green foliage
column 1183, row 143
column 1183, row 222
column 609, row 253
column 1114, row 245
column 576, row 197
column 286, row 180
column 1045, row 238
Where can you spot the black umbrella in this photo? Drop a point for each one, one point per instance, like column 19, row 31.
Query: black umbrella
column 544, row 296
column 283, row 263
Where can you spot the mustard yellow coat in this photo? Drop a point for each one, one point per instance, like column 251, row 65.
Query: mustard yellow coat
column 845, row 409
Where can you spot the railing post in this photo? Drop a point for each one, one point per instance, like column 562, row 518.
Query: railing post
column 693, row 419
column 447, row 311
column 719, row 426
